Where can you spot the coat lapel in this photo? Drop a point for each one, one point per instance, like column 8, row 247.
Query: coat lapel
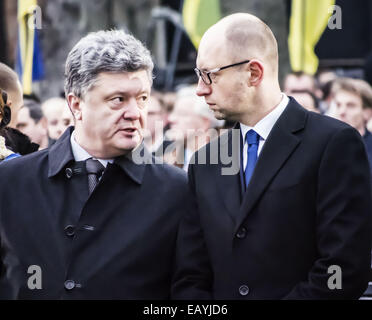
column 280, row 144
column 228, row 185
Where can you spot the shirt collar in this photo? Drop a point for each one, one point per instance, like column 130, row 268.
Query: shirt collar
column 60, row 154
column 80, row 154
column 264, row 126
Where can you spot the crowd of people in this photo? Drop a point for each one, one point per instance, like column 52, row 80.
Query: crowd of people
column 146, row 231
column 180, row 122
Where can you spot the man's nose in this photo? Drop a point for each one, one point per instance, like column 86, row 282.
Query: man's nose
column 132, row 111
column 342, row 110
column 203, row 89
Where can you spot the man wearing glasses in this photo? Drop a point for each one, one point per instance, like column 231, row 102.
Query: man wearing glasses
column 294, row 222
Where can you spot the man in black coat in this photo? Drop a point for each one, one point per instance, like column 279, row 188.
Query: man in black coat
column 284, row 200
column 93, row 217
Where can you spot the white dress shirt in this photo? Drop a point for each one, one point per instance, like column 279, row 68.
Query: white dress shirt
column 81, row 154
column 263, row 127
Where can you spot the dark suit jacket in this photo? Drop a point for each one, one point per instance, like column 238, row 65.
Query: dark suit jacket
column 367, row 138
column 116, row 244
column 307, row 207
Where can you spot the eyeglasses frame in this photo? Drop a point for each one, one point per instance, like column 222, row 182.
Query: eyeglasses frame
column 201, row 73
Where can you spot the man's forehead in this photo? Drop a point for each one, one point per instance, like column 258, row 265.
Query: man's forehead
column 124, row 81
column 211, row 54
column 344, row 95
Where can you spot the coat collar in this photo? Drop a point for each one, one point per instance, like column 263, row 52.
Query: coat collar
column 281, row 143
column 133, row 164
column 273, row 155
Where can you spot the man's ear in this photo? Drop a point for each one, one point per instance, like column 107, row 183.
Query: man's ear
column 256, row 72
column 74, row 104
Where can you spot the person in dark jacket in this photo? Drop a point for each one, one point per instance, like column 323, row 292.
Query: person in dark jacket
column 284, row 199
column 352, row 103
column 93, row 217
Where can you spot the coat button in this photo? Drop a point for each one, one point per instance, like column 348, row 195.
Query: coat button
column 70, row 230
column 243, row 290
column 69, row 284
column 242, row 233
column 69, row 173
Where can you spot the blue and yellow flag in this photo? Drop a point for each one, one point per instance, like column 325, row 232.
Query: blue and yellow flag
column 308, row 20
column 29, row 63
column 198, row 16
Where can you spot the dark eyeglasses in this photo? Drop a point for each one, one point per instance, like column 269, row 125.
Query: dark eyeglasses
column 206, row 75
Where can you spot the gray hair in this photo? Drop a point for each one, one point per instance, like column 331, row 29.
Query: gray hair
column 104, row 51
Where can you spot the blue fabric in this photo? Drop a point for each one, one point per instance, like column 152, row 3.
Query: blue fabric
column 12, row 156
column 252, row 139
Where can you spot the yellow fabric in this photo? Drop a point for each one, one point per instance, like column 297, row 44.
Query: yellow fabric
column 308, row 21
column 198, row 16
column 26, row 41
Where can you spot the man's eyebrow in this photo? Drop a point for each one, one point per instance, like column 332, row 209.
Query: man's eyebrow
column 125, row 93
column 117, row 92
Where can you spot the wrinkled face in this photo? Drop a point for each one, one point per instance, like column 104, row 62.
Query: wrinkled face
column 349, row 108
column 183, row 121
column 29, row 127
column 228, row 96
column 112, row 115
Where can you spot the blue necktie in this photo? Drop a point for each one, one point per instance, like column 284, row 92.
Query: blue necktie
column 252, row 139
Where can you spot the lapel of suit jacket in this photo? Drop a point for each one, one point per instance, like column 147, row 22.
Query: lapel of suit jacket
column 278, row 147
column 228, row 183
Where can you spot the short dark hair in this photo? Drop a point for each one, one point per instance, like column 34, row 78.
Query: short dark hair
column 34, row 108
column 32, row 96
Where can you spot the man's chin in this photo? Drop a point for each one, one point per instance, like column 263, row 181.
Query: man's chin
column 219, row 115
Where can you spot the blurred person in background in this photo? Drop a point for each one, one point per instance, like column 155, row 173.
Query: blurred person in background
column 156, row 122
column 307, row 99
column 300, row 81
column 5, row 152
column 189, row 123
column 32, row 123
column 168, row 99
column 9, row 82
column 53, row 110
column 325, row 78
column 13, row 143
column 67, row 118
column 12, row 93
column 352, row 103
